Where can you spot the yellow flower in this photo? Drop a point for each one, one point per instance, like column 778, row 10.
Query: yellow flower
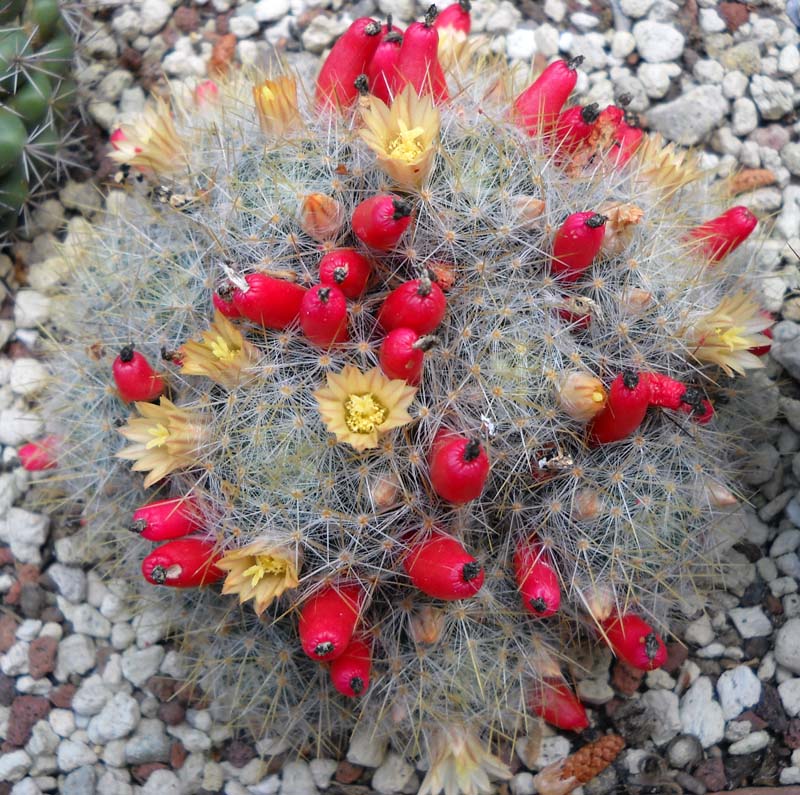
column 276, row 104
column 460, row 764
column 223, row 355
column 259, row 571
column 359, row 407
column 165, row 438
column 403, row 136
column 725, row 334
column 151, row 141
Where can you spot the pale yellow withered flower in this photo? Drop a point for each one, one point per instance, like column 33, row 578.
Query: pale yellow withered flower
column 360, row 407
column 223, row 355
column 259, row 571
column 580, row 395
column 404, row 137
column 165, row 438
column 276, row 105
column 460, row 764
column 150, row 142
column 725, row 335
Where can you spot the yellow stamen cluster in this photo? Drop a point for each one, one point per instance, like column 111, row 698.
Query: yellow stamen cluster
column 363, row 413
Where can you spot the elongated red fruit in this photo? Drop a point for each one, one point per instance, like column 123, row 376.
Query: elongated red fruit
column 625, row 409
column 380, row 221
column 574, row 126
column 418, row 62
column 347, row 60
column 668, row 393
column 554, row 701
column 418, row 304
column 135, row 378
column 633, row 640
column 382, row 68
column 725, row 233
column 346, row 269
column 536, row 109
column 222, row 299
column 41, row 455
column 183, row 563
column 328, row 620
column 350, row 672
column 626, row 142
column 537, row 580
column 270, row 302
column 323, row 315
column 577, row 242
column 162, row 520
column 459, row 467
column 402, row 354
column 455, row 16
column 440, row 567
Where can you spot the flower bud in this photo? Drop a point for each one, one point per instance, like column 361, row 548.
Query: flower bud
column 587, row 504
column 580, row 395
column 385, row 490
column 713, row 493
column 321, row 216
column 427, row 624
column 622, row 218
column 276, row 105
column 635, row 300
column 527, row 209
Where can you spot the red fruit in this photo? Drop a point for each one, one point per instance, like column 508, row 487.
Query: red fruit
column 418, row 304
column 626, row 142
column 440, row 567
column 346, row 269
column 554, row 702
column 633, row 640
column 455, row 16
column 725, row 233
column 323, row 316
column 183, row 563
column 761, row 350
column 350, row 672
column 671, row 394
column 625, row 409
column 135, row 378
column 206, row 93
column 270, row 302
column 402, row 353
column 328, row 620
column 382, row 68
column 700, row 408
column 37, row 456
column 574, row 126
column 222, row 299
column 459, row 467
column 418, row 62
column 347, row 60
column 577, row 242
column 536, row 109
column 537, row 580
column 577, row 322
column 380, row 221
column 118, row 137
column 165, row 519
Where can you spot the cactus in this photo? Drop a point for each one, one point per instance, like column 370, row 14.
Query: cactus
column 36, row 49
column 311, row 469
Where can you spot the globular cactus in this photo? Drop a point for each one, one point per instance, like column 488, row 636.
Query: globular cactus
column 551, row 474
column 36, row 49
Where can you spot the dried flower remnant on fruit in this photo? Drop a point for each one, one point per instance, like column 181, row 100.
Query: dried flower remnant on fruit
column 166, row 438
column 321, row 216
column 259, row 571
column 404, row 136
column 276, row 105
column 666, row 166
column 224, row 355
column 460, row 762
column 360, row 407
column 562, row 777
column 621, row 219
column 725, row 334
column 151, row 142
column 581, row 395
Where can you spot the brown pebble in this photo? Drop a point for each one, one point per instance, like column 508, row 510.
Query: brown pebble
column 172, row 713
column 5, row 556
column 186, row 19
column 42, row 656
column 626, row 679
column 130, row 59
column 142, row 772
column 8, row 632
column 31, row 599
column 676, row 656
column 25, row 712
column 756, row 722
column 734, row 14
column 7, row 690
column 13, row 593
column 177, row 755
column 162, row 687
column 711, row 772
column 51, row 614
column 347, row 773
column 28, row 573
column 103, row 654
column 792, row 734
column 61, row 697
column 239, row 753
